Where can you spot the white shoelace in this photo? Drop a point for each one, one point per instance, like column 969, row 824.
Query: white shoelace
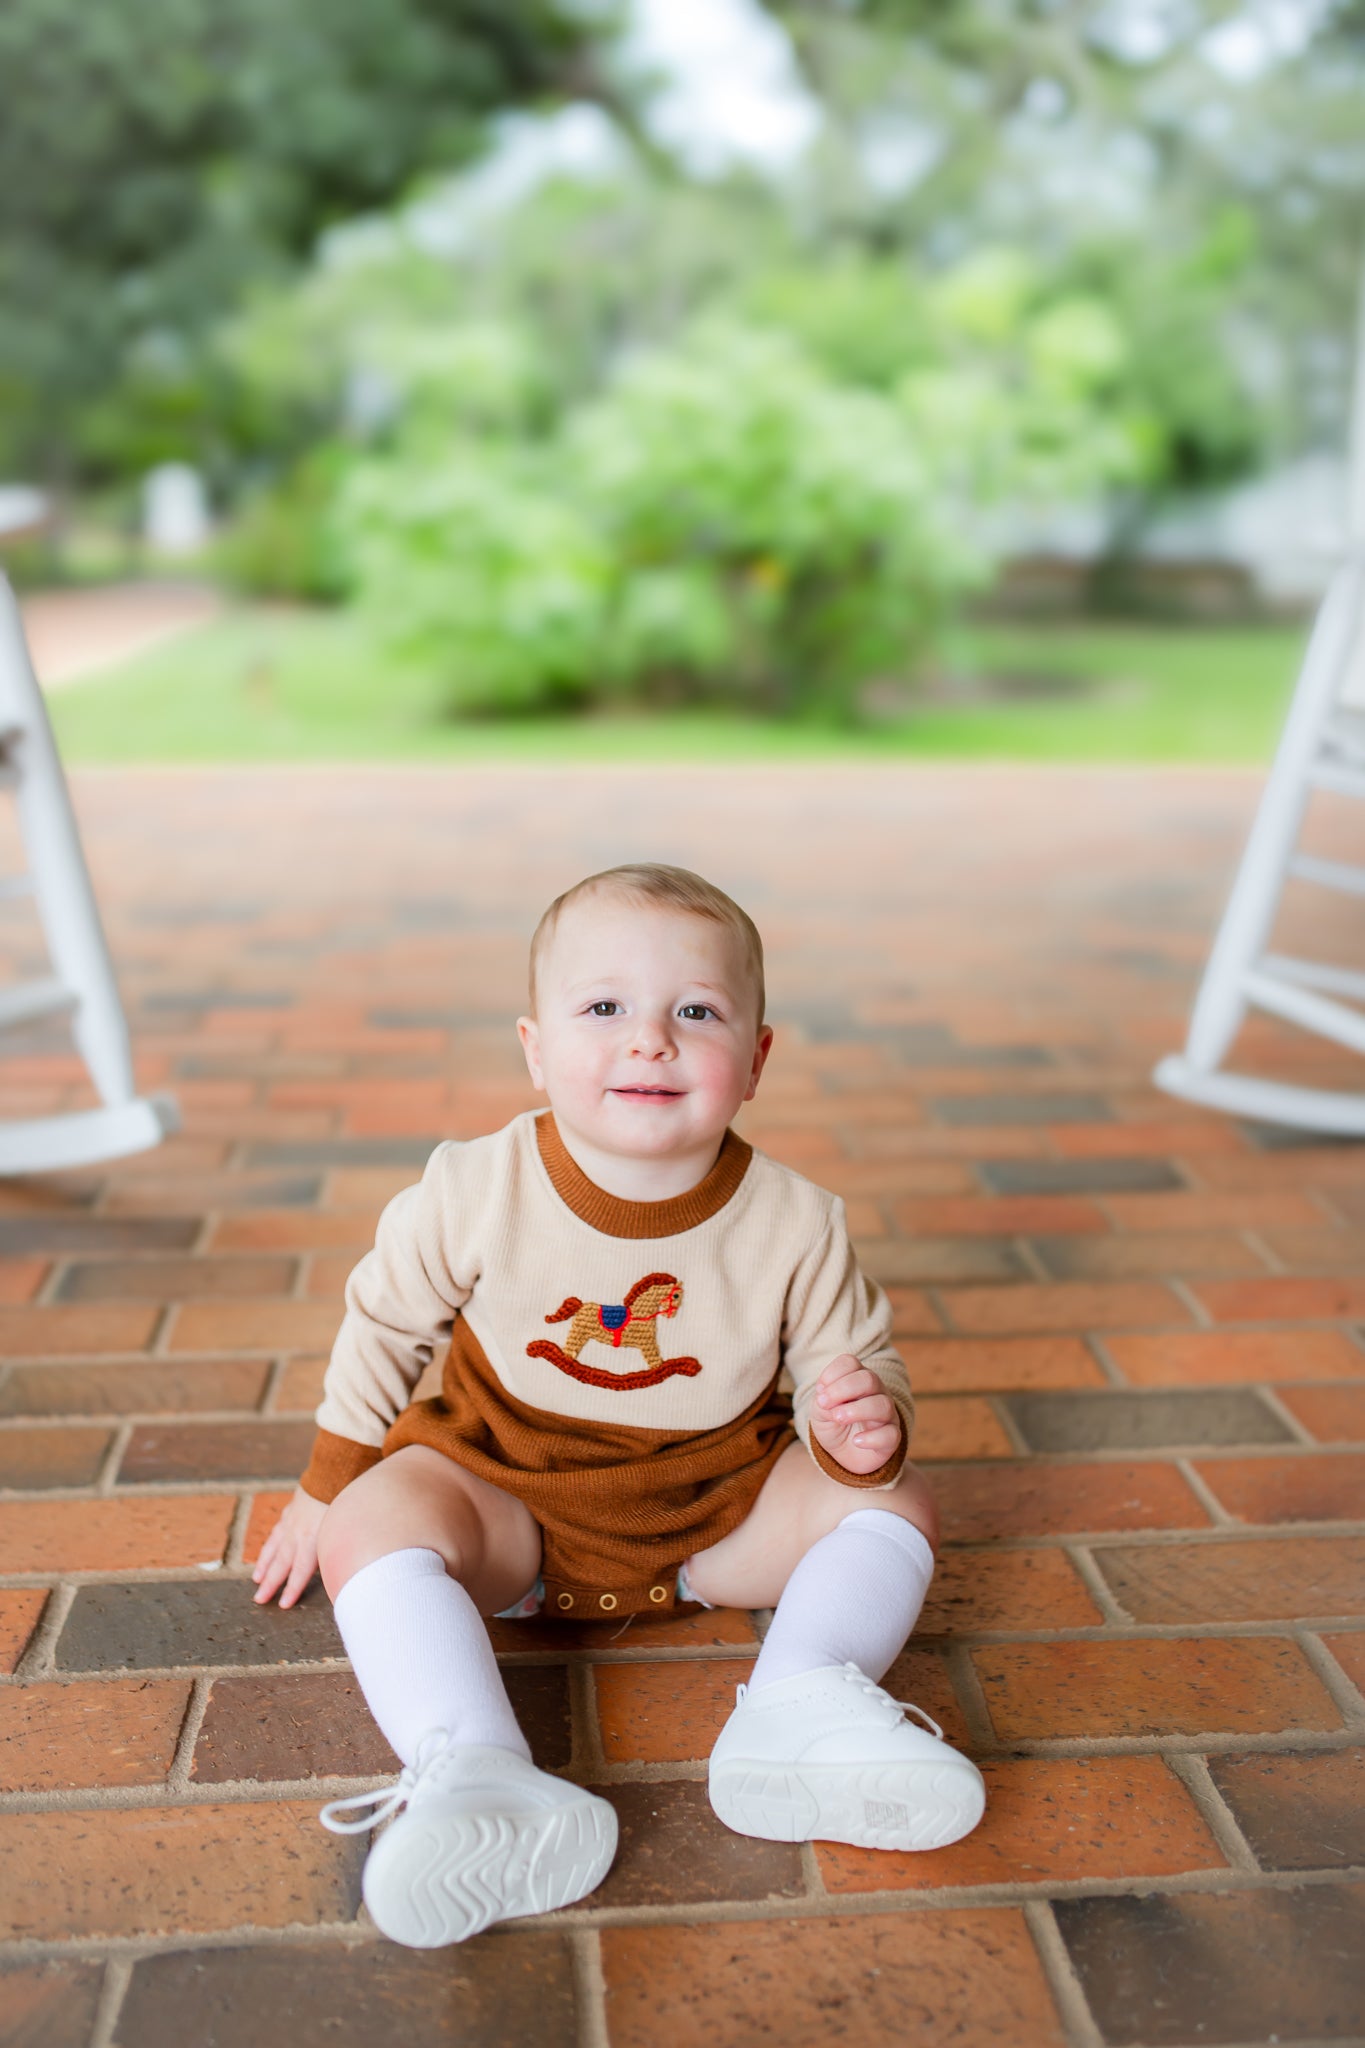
column 898, row 1709
column 372, row 1807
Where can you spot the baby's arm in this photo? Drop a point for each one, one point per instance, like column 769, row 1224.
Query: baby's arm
column 852, row 1400
column 400, row 1304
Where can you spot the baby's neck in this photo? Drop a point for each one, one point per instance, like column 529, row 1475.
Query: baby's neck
column 633, row 1179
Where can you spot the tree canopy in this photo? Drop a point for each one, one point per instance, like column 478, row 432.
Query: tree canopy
column 157, row 155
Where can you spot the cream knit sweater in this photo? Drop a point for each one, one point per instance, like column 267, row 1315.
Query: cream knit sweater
column 661, row 1316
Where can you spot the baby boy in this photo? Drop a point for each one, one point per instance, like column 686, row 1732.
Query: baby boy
column 615, row 1285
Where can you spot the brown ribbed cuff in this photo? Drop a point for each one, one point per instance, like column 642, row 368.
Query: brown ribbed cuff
column 335, row 1462
column 884, row 1473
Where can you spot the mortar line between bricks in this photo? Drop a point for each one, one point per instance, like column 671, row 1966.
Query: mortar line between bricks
column 119, row 1441
column 159, row 1343
column 178, row 1780
column 1099, row 1351
column 1345, row 1696
column 999, row 1407
column 118, row 1971
column 49, row 1294
column 1185, row 1294
column 673, row 1770
column 1255, row 1242
column 1205, row 1495
column 274, row 1376
column 589, row 1987
column 844, row 1904
column 1062, row 1981
column 38, row 1660
column 966, row 1683
column 1193, row 1771
column 1270, row 1398
column 811, row 1874
column 1101, row 1592
column 585, row 1752
column 233, row 1560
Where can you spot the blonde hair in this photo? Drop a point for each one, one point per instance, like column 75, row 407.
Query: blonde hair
column 671, row 889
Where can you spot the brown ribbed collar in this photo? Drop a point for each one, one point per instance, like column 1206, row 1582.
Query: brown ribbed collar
column 615, row 1217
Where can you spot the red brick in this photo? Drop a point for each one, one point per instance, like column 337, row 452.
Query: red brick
column 999, row 1216
column 328, row 1273
column 71, row 1332
column 1175, row 1210
column 879, row 1980
column 914, row 1315
column 254, row 1326
column 665, row 1713
column 1153, row 1687
column 299, row 1387
column 134, row 1387
column 1280, row 1578
column 295, row 1230
column 153, row 1532
column 1051, row 1820
column 1079, row 1305
column 158, row 1870
column 921, row 1675
column 34, row 1458
column 976, row 1590
column 1349, row 1652
column 980, row 1503
column 1155, row 1140
column 51, row 2004
column 1003, row 1365
column 20, row 1610
column 1335, row 1415
column 1298, row 1812
column 1223, row 1357
column 175, row 1279
column 96, row 1732
column 901, row 1177
column 20, row 1279
column 965, row 1427
column 1282, row 1299
column 266, row 1509
column 1322, row 1488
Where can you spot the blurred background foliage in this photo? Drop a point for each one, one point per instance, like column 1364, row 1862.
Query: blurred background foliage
column 629, row 427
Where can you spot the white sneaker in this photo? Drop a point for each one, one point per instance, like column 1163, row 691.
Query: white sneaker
column 486, row 1836
column 828, row 1756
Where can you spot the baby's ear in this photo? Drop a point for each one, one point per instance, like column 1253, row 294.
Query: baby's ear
column 529, row 1033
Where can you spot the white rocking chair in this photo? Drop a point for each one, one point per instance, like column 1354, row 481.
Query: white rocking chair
column 1322, row 747
column 82, row 981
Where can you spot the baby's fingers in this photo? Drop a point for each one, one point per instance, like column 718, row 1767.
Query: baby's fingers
column 300, row 1572
column 867, row 1413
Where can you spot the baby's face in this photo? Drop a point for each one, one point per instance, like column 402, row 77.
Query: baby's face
column 646, row 1035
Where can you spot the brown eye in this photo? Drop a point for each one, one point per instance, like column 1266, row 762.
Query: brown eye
column 695, row 1012
column 605, row 1009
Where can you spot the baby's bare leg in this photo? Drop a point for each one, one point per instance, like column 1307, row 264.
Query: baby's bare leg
column 799, row 1504
column 419, row 1500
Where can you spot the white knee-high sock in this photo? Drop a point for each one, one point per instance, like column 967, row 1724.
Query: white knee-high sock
column 420, row 1651
column 853, row 1599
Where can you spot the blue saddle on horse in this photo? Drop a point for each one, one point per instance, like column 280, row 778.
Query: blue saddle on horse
column 614, row 1317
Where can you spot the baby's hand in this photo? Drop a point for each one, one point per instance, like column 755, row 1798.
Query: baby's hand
column 289, row 1555
column 852, row 1417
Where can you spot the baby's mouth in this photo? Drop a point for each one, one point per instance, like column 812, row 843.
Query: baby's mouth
column 658, row 1094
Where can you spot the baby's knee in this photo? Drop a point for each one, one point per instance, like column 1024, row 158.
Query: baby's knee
column 912, row 1500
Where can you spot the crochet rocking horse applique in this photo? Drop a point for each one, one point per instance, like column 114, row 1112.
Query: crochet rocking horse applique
column 629, row 1322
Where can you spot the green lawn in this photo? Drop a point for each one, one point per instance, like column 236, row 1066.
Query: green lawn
column 265, row 684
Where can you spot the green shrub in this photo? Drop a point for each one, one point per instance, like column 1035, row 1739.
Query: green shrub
column 724, row 521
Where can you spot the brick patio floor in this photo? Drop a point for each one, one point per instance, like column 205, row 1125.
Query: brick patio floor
column 1136, row 1331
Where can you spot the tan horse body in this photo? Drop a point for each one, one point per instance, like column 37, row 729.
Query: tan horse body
column 631, row 1322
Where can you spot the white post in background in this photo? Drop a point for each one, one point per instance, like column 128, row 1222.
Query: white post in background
column 1322, row 747
column 82, row 983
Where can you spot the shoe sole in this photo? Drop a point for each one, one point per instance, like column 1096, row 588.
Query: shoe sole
column 872, row 1806
column 429, row 1883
